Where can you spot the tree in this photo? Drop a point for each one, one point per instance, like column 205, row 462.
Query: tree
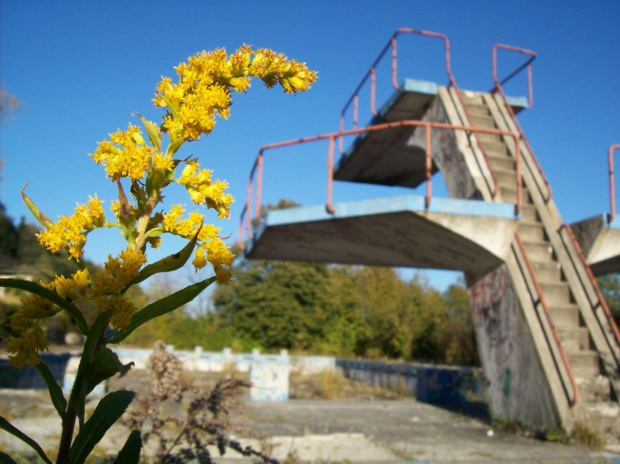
column 610, row 287
column 9, row 236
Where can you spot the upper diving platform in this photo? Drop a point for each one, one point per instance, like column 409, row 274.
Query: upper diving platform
column 455, row 234
column 389, row 157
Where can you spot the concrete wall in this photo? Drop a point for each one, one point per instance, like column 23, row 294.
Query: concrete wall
column 270, row 373
column 446, row 153
column 428, row 383
column 516, row 383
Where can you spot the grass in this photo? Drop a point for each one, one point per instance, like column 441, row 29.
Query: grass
column 582, row 436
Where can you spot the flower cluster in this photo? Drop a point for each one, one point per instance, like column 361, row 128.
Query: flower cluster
column 142, row 160
column 104, row 289
column 206, row 80
column 69, row 233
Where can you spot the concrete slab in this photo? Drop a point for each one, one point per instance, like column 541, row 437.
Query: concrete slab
column 600, row 243
column 383, row 157
column 464, row 235
column 395, row 431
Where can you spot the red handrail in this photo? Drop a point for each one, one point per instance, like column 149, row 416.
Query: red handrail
column 257, row 167
column 599, row 294
column 372, row 74
column 556, row 336
column 612, row 195
column 498, row 88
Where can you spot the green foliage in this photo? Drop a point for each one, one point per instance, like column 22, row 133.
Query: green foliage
column 9, row 236
column 610, row 286
column 345, row 311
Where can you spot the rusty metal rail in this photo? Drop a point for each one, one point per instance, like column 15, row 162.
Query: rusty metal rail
column 541, row 300
column 498, row 88
column 354, row 99
column 599, row 295
column 612, row 188
column 257, row 168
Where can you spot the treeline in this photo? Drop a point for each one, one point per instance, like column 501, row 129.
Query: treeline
column 324, row 309
column 308, row 308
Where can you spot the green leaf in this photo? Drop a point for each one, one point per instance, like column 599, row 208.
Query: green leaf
column 152, row 131
column 161, row 307
column 58, row 399
column 88, row 355
column 6, row 459
column 130, row 454
column 105, row 365
column 36, row 212
column 37, row 289
column 107, row 412
column 6, row 425
column 167, row 264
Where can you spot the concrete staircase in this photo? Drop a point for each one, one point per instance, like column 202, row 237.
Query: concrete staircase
column 598, row 406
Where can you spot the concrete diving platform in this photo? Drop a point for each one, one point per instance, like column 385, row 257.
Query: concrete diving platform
column 383, row 157
column 388, row 157
column 600, row 243
column 453, row 234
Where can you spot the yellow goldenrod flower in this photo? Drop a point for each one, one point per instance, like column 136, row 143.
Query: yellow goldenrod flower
column 125, row 155
column 69, row 233
column 206, row 81
column 25, row 348
column 222, row 275
column 121, row 311
column 200, row 260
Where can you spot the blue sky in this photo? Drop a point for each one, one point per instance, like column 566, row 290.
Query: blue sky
column 82, row 67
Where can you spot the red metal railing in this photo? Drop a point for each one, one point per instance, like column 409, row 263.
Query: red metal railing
column 556, row 336
column 592, row 279
column 354, row 99
column 257, row 168
column 612, row 189
column 498, row 88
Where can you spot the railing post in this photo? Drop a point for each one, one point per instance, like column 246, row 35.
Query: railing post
column 429, row 165
column 330, row 174
column 612, row 190
column 259, row 185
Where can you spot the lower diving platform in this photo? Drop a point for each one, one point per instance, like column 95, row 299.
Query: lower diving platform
column 600, row 243
column 452, row 234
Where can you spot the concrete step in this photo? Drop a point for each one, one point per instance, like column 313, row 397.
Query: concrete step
column 506, row 178
column 547, row 271
column 531, row 231
column 538, row 251
column 495, row 148
column 594, row 389
column 473, row 98
column 584, row 363
column 498, row 161
column 479, row 120
column 509, row 194
column 601, row 417
column 477, row 109
column 575, row 339
column 555, row 293
column 493, row 138
column 528, row 212
column 565, row 316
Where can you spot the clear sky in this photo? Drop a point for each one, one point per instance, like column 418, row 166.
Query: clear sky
column 81, row 67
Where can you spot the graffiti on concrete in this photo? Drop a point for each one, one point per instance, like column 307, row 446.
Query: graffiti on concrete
column 494, row 307
column 446, row 154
